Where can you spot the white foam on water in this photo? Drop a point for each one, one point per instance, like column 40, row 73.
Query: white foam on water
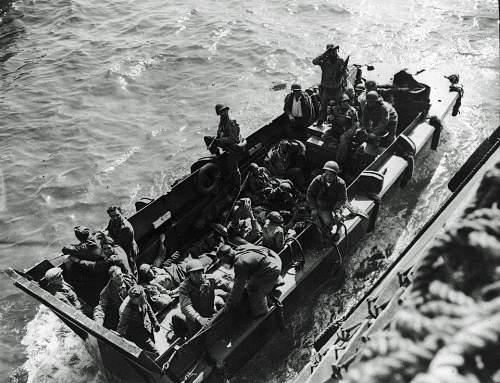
column 55, row 353
column 121, row 159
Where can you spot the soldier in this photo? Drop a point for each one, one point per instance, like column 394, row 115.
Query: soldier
column 380, row 118
column 200, row 296
column 159, row 297
column 298, row 107
column 333, row 77
column 327, row 196
column 57, row 286
column 368, row 87
column 273, row 235
column 256, row 267
column 122, row 232
column 106, row 313
column 286, row 160
column 88, row 249
column 243, row 227
column 260, row 180
column 137, row 322
column 228, row 138
column 344, row 125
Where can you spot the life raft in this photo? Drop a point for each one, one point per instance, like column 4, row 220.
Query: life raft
column 208, row 178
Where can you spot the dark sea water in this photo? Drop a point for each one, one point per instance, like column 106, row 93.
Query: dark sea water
column 105, row 102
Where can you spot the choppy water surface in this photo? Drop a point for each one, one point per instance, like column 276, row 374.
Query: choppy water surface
column 106, row 102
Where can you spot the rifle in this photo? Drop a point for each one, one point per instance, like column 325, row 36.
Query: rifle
column 344, row 68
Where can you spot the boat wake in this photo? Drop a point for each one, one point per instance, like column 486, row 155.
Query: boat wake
column 54, row 353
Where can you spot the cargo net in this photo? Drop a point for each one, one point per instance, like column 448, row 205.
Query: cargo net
column 448, row 328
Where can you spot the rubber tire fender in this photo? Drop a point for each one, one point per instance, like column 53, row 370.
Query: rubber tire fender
column 208, row 178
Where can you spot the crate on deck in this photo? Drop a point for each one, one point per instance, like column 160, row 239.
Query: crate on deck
column 318, row 153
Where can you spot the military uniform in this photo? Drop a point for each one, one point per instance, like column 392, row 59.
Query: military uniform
column 106, row 313
column 327, row 197
column 200, row 300
column 65, row 293
column 137, row 324
column 383, row 119
column 258, row 268
column 273, row 236
column 297, row 128
column 229, row 139
column 123, row 235
column 332, row 81
column 87, row 250
column 344, row 125
column 288, row 163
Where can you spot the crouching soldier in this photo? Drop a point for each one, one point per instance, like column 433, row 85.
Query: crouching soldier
column 200, row 296
column 256, row 267
column 327, row 196
column 106, row 313
column 57, row 286
column 137, row 320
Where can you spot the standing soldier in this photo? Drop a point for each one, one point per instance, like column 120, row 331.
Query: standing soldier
column 298, row 107
column 333, row 77
column 327, row 196
column 229, row 139
column 256, row 267
column 122, row 232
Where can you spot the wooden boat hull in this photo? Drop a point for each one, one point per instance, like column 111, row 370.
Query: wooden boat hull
column 220, row 352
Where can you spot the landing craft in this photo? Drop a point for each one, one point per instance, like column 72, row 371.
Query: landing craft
column 184, row 216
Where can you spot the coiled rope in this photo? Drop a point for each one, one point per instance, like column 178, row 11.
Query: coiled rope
column 448, row 327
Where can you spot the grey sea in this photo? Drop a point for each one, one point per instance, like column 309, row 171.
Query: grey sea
column 105, row 102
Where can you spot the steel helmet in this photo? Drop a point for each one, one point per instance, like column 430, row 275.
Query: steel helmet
column 372, row 96
column 296, row 87
column 286, row 187
column 332, row 166
column 194, row 265
column 275, row 217
column 52, row 274
column 344, row 97
column 253, row 166
column 220, row 107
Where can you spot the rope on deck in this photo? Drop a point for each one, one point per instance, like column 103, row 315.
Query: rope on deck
column 448, row 327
